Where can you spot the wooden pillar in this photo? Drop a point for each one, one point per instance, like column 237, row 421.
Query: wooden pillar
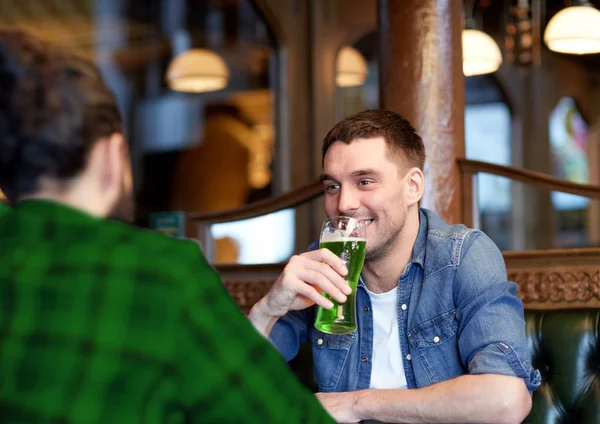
column 540, row 98
column 421, row 79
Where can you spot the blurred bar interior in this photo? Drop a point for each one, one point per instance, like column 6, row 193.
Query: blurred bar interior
column 226, row 103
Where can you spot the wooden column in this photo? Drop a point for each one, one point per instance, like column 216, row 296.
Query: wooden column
column 421, row 79
column 540, row 98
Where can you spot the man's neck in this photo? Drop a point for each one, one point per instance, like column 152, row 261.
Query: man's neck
column 75, row 198
column 382, row 274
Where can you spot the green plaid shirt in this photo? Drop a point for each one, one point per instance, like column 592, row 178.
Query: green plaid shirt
column 4, row 208
column 103, row 323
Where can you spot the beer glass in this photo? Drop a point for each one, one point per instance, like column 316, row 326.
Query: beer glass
column 346, row 237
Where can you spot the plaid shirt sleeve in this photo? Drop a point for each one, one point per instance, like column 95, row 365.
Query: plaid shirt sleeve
column 4, row 208
column 243, row 378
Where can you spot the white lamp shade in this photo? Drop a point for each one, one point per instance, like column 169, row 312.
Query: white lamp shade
column 481, row 54
column 351, row 67
column 197, row 71
column 574, row 30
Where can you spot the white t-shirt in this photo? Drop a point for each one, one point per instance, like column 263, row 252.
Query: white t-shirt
column 387, row 368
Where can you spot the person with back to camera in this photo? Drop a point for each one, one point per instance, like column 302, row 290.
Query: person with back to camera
column 101, row 322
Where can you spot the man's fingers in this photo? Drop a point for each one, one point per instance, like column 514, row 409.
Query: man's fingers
column 329, row 273
column 307, row 276
column 313, row 294
column 327, row 256
column 319, row 280
column 324, row 262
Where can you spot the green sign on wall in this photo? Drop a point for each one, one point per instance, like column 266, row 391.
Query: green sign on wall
column 169, row 223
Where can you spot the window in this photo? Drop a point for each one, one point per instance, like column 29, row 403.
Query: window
column 488, row 139
column 568, row 146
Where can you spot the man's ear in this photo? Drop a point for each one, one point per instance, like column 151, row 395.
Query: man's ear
column 114, row 165
column 108, row 166
column 415, row 186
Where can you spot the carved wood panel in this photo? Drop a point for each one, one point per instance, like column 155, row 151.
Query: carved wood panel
column 537, row 288
column 558, row 289
column 247, row 292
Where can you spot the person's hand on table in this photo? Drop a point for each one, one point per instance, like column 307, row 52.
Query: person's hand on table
column 340, row 406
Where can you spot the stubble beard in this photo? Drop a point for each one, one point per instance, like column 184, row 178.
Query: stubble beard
column 380, row 253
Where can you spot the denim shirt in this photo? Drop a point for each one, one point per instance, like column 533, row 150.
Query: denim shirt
column 457, row 314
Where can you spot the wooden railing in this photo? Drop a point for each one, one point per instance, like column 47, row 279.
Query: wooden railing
column 547, row 279
column 470, row 168
column 203, row 221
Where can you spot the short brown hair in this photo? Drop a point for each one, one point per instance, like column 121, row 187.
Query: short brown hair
column 54, row 107
column 398, row 133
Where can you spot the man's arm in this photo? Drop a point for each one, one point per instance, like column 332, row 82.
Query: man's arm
column 261, row 318
column 485, row 398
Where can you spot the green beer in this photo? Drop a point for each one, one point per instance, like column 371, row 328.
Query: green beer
column 341, row 319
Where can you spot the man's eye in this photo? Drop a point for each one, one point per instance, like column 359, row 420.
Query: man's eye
column 331, row 187
column 364, row 182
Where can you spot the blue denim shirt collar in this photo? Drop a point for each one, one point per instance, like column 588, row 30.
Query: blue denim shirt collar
column 418, row 254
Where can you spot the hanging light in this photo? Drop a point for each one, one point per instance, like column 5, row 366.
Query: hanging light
column 481, row 54
column 574, row 30
column 197, row 71
column 351, row 69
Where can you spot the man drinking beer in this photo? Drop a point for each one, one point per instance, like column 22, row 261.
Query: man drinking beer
column 441, row 334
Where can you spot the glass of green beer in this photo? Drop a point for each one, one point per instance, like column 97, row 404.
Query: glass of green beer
column 346, row 237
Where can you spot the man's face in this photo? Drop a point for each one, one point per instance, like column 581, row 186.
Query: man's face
column 361, row 180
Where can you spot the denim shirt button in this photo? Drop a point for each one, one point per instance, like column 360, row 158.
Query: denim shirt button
column 366, row 309
column 403, row 307
column 365, row 359
column 320, row 342
column 436, row 339
column 408, row 357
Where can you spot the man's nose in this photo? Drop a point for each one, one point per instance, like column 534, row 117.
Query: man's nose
column 348, row 201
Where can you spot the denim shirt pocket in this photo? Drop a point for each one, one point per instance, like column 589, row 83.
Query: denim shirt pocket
column 434, row 346
column 330, row 353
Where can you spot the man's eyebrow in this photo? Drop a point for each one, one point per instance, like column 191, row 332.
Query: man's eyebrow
column 326, row 177
column 362, row 172
column 357, row 173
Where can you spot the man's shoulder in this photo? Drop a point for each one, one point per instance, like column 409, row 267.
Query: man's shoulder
column 447, row 244
column 150, row 242
column 438, row 228
column 4, row 208
column 142, row 255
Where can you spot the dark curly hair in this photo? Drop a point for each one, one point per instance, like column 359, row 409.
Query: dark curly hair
column 401, row 138
column 53, row 107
